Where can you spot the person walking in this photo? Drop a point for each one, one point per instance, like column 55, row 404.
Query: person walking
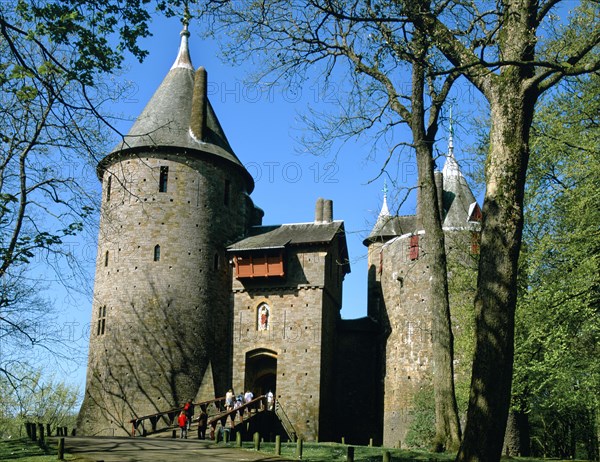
column 182, row 421
column 189, row 413
column 229, row 396
column 202, row 424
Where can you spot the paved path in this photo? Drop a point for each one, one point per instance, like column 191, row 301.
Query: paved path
column 158, row 450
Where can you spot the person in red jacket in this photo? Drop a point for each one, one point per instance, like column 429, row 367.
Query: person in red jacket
column 182, row 421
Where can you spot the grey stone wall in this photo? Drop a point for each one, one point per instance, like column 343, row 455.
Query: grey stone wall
column 399, row 291
column 301, row 334
column 165, row 320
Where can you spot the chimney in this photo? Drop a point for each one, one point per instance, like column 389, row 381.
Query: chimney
column 319, row 210
column 327, row 211
column 199, row 105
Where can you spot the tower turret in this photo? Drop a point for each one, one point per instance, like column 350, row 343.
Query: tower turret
column 174, row 195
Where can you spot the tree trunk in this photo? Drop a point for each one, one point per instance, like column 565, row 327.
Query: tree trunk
column 516, row 439
column 511, row 114
column 447, row 425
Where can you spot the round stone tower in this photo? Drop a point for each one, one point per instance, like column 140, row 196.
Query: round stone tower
column 173, row 196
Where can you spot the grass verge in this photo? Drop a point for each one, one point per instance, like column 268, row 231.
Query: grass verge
column 25, row 450
column 334, row 452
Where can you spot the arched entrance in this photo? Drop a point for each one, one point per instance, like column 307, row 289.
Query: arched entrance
column 261, row 371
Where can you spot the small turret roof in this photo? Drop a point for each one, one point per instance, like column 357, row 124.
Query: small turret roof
column 165, row 121
column 458, row 199
column 388, row 226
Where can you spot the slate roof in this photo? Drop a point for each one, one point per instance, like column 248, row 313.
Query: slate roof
column 458, row 198
column 388, row 226
column 165, row 121
column 280, row 236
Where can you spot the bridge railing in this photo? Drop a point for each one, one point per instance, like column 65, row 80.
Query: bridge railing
column 285, row 421
column 168, row 416
column 257, row 404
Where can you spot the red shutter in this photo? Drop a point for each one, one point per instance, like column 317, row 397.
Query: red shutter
column 414, row 247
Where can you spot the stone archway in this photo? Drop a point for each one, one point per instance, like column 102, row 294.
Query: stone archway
column 261, row 371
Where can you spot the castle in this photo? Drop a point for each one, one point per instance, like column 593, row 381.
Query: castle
column 194, row 295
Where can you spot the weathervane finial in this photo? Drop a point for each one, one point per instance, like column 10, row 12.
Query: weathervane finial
column 451, row 136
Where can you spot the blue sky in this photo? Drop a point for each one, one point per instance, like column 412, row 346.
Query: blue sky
column 263, row 127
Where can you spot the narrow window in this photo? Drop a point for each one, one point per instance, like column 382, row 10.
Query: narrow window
column 101, row 320
column 157, row 252
column 226, row 192
column 106, row 258
column 414, row 247
column 216, row 261
column 164, row 176
column 108, row 186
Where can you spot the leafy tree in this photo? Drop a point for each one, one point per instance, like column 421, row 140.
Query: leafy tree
column 53, row 56
column 512, row 51
column 557, row 366
column 376, row 57
column 36, row 400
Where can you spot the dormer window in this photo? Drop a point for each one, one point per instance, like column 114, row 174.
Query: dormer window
column 475, row 214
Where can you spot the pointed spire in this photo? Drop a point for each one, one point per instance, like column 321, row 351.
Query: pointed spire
column 183, row 59
column 451, row 137
column 451, row 168
column 385, row 211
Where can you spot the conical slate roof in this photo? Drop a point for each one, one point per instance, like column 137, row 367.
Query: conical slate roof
column 388, row 226
column 165, row 121
column 458, row 199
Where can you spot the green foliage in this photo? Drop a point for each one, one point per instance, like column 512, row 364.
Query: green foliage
column 36, row 399
column 54, row 56
column 557, row 358
column 421, row 433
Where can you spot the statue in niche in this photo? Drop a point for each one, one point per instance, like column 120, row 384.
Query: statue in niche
column 263, row 317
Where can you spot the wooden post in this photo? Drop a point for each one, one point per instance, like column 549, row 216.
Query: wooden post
column 299, row 448
column 370, row 442
column 350, row 454
column 386, row 456
column 238, row 439
column 257, row 441
column 174, row 434
column 61, row 449
column 48, row 430
column 278, row 445
column 343, row 440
